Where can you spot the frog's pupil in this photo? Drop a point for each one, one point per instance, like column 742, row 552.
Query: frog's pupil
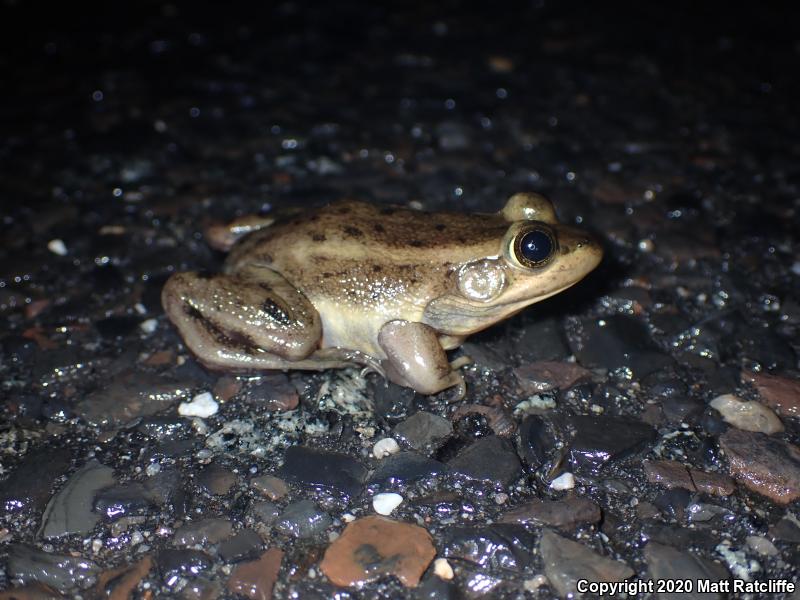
column 536, row 246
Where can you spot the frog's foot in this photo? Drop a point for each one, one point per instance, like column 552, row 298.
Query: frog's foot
column 416, row 359
column 461, row 361
column 223, row 236
column 253, row 319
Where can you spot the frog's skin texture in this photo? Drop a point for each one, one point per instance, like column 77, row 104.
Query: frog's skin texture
column 355, row 284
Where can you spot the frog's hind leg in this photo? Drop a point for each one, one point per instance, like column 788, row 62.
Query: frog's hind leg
column 249, row 320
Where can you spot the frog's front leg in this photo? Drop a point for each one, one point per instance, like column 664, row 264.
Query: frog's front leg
column 250, row 319
column 416, row 358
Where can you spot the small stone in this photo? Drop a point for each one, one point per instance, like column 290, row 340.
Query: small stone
column 564, row 514
column 32, row 591
column 424, row 431
column 70, row 510
column 31, row 482
column 385, row 447
column 406, row 467
column 202, row 405
column 504, row 547
column 670, row 474
column 544, row 376
column 375, row 546
column 499, row 419
column 599, row 440
column 270, row 486
column 763, row 464
column 385, row 503
column 60, row 571
column 57, row 246
column 265, row 512
column 148, row 325
column 302, row 519
column 255, row 579
column 244, row 545
column 119, row 583
column 174, row 563
column 750, row 416
column 489, row 459
column 216, row 479
column 567, row 562
column 323, row 469
column 779, row 393
column 204, row 531
column 275, row 392
column 227, row 387
column 761, row 545
column 442, row 569
column 565, row 481
column 667, row 563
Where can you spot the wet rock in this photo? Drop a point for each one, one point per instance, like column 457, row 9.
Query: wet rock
column 564, row 514
column 216, row 479
column 673, row 503
column 265, row 512
column 302, row 519
column 164, row 428
column 31, row 481
column 681, row 410
column 750, row 416
column 244, row 545
column 255, row 579
column 227, row 387
column 672, row 474
column 541, row 444
column 499, row 419
column 275, row 393
column 375, row 546
column 495, row 548
column 204, row 531
column 491, row 459
column 779, row 393
column 619, row 341
column 542, row 339
column 761, row 545
column 61, row 571
column 765, row 465
column 323, row 469
column 130, row 395
column 70, row 510
column 424, row 431
column 680, row 537
column 270, row 486
column 174, row 563
column 392, row 401
column 544, row 376
column 201, row 588
column 120, row 582
column 598, row 440
column 786, row 530
column 668, row 563
column 137, row 497
column 406, row 467
column 567, row 562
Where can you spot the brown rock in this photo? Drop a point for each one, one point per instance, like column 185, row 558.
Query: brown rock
column 276, row 392
column 217, row 479
column 546, row 375
column 227, row 387
column 763, row 464
column 270, row 486
column 32, row 591
column 565, row 513
column 670, row 474
column 119, row 583
column 255, row 579
column 779, row 393
column 375, row 546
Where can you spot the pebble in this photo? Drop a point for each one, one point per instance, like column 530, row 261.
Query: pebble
column 564, row 514
column 202, row 405
column 498, row 548
column 442, row 569
column 499, row 419
column 598, row 440
column 227, row 387
column 762, row 545
column 57, row 246
column 779, row 393
column 747, row 415
column 70, row 510
column 265, row 512
column 275, row 392
column 302, row 519
column 216, row 479
column 120, row 582
column 385, row 447
column 174, row 563
column 565, row 481
column 256, row 579
column 544, row 376
column 490, row 459
column 244, row 545
column 60, row 571
column 136, row 497
column 406, row 467
column 372, row 547
column 385, row 503
column 541, row 444
column 668, row 563
column 542, row 339
column 31, row 481
column 567, row 562
column 323, row 469
column 424, row 431
column 32, row 591
column 205, row 531
column 670, row 473
column 765, row 465
column 270, row 486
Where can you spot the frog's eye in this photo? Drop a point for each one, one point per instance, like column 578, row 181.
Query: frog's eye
column 534, row 247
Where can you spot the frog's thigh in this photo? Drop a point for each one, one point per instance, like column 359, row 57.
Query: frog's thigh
column 237, row 320
column 416, row 358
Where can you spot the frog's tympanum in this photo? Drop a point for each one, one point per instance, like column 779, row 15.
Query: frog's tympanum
column 389, row 289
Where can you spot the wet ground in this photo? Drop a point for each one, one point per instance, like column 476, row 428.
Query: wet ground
column 641, row 426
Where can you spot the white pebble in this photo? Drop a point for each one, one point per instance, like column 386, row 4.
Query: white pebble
column 203, row 405
column 385, row 503
column 385, row 447
column 348, row 518
column 148, row 326
column 57, row 246
column 565, row 481
column 442, row 569
column 762, row 545
column 750, row 416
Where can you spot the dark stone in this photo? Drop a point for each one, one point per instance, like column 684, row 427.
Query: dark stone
column 490, row 459
column 31, row 481
column 179, row 562
column 679, row 537
column 265, row 512
column 785, row 530
column 205, row 531
column 424, row 431
column 216, row 479
column 164, row 427
column 540, row 443
column 137, row 497
column 679, row 409
column 323, row 469
column 502, row 547
column 668, row 563
column 244, row 545
column 542, row 339
column 61, row 571
column 673, row 502
column 117, row 326
column 302, row 519
column 598, row 440
column 405, row 467
column 392, row 401
column 566, row 513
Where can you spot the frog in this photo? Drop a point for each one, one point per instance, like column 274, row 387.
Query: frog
column 388, row 289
